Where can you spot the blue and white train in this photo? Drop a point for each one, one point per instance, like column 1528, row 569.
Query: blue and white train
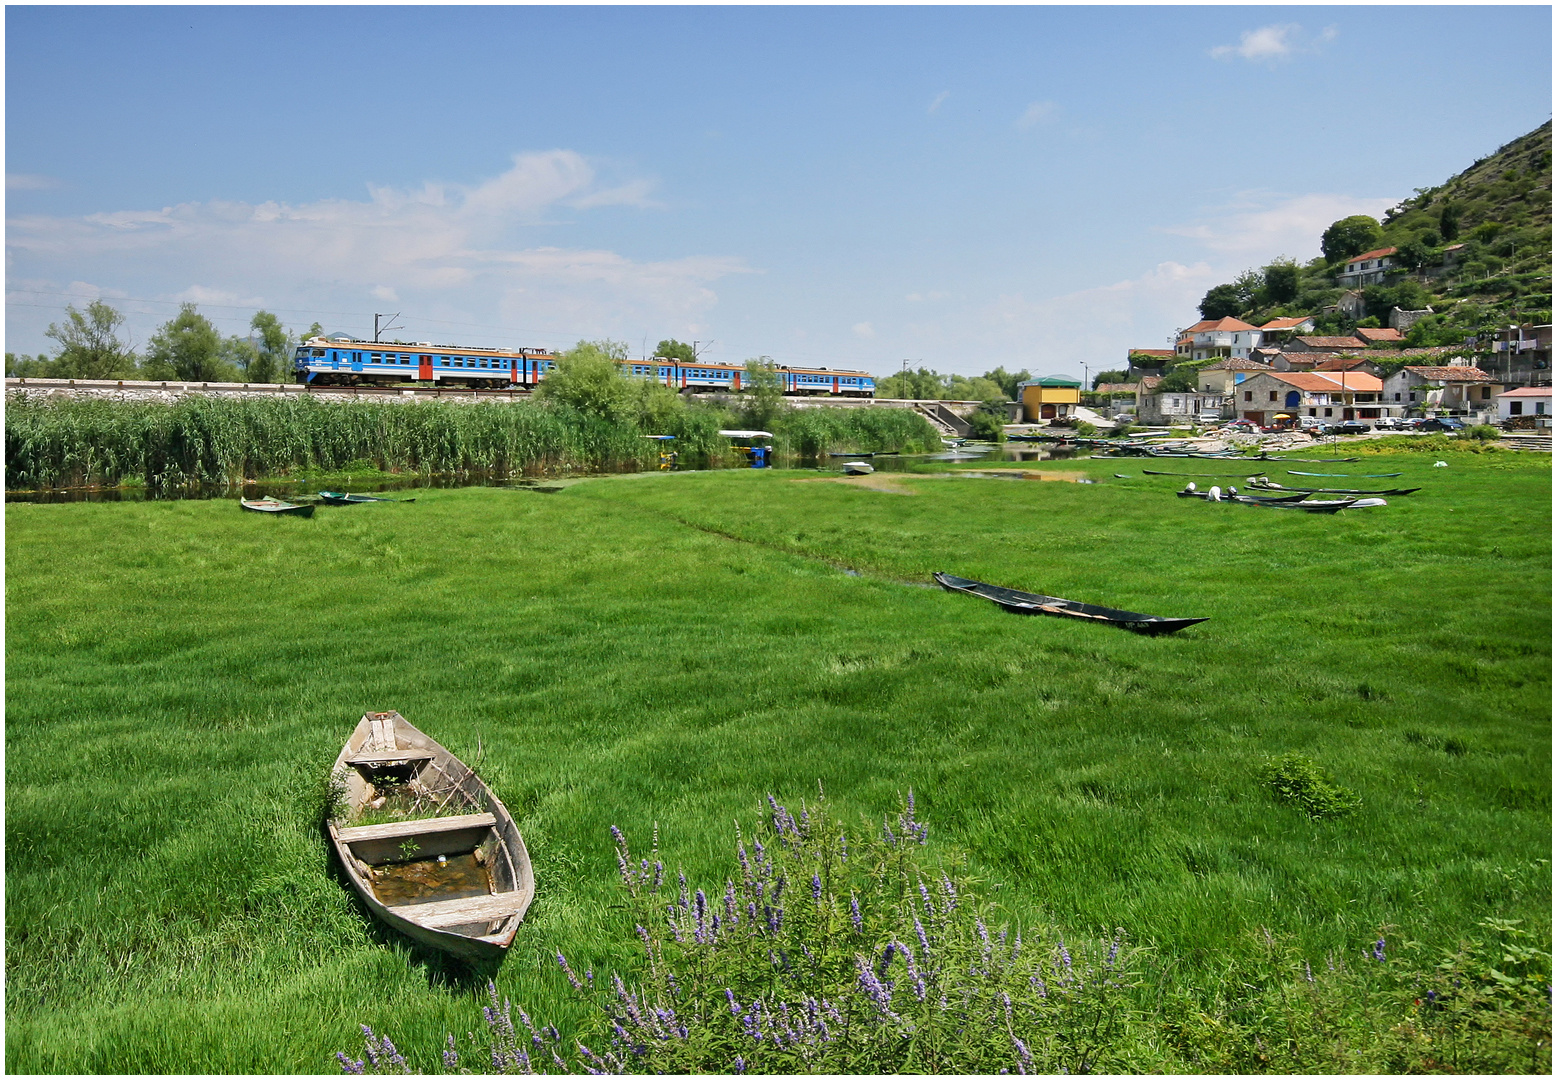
column 348, row 362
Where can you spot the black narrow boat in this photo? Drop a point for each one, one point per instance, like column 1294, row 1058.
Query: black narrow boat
column 1295, row 497
column 1197, row 475
column 1026, row 603
column 342, row 498
column 1266, row 485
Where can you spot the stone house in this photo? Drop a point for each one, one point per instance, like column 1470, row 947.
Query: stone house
column 1224, row 375
column 1333, row 396
column 1325, row 344
column 1457, row 388
column 1181, row 407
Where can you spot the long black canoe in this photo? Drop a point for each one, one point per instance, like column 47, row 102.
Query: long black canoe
column 1199, row 475
column 342, row 498
column 1267, row 486
column 1026, row 603
column 1365, row 476
column 1295, row 497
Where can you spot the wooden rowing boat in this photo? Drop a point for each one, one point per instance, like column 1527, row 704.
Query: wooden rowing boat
column 277, row 506
column 1297, row 496
column 458, row 877
column 1026, row 603
column 1267, row 485
column 342, row 498
column 858, row 468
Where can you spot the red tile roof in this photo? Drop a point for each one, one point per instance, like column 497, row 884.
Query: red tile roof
column 1450, row 374
column 1528, row 391
column 1376, row 253
column 1115, row 388
column 1237, row 363
column 1343, row 363
column 1226, row 323
column 1308, row 380
column 1151, row 352
column 1385, row 333
column 1285, row 323
column 1333, row 343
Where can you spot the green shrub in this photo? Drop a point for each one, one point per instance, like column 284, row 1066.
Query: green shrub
column 1085, row 430
column 1294, row 779
column 1481, row 431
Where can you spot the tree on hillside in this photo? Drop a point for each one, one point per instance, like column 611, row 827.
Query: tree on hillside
column 1449, row 220
column 89, row 344
column 1350, row 236
column 1250, row 287
column 1220, row 301
column 1281, row 281
column 187, row 347
column 588, row 378
column 672, row 349
column 269, row 363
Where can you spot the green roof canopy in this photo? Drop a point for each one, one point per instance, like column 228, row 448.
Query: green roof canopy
column 1053, row 380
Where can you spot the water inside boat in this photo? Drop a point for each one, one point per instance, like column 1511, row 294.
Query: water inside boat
column 426, row 880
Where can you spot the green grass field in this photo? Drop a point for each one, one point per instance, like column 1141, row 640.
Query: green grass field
column 667, row 649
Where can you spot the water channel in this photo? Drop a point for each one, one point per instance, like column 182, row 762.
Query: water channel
column 986, row 453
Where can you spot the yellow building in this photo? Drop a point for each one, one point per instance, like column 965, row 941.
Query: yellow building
column 1050, row 398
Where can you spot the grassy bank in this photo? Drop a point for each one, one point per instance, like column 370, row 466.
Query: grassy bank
column 227, row 440
column 667, row 649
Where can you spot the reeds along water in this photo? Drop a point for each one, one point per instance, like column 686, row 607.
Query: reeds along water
column 224, row 440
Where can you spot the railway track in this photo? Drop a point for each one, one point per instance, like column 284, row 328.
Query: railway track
column 134, row 388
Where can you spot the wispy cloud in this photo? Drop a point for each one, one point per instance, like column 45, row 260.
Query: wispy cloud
column 1279, row 41
column 442, row 249
column 29, row 182
column 1037, row 113
column 1258, row 226
column 863, row 330
column 939, row 99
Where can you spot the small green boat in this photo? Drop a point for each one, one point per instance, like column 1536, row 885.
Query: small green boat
column 342, row 498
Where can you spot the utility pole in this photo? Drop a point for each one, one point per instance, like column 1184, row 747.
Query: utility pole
column 388, row 319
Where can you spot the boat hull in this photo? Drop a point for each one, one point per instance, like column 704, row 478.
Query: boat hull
column 476, row 928
column 276, row 506
column 1025, row 603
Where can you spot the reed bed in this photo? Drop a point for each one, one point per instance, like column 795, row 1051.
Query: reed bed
column 202, row 440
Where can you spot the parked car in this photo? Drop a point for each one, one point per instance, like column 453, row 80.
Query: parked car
column 1450, row 424
column 1349, row 427
column 1389, row 423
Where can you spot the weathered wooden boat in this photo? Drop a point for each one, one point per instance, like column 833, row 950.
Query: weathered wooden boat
column 1197, row 475
column 1266, row 455
column 1365, row 476
column 858, row 468
column 277, row 506
column 456, row 878
column 1268, row 485
column 341, row 498
column 1026, row 603
column 1297, row 496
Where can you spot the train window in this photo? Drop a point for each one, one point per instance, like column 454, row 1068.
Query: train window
column 318, row 352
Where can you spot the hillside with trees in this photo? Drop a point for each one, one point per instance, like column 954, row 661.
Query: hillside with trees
column 1476, row 249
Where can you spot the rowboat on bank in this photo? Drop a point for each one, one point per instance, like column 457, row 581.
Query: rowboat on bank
column 341, row 498
column 277, row 506
column 858, row 468
column 1365, row 476
column 1266, row 484
column 1233, row 494
column 1026, row 603
column 452, row 872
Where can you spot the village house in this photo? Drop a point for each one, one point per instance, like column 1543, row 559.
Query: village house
column 1343, row 362
column 1334, row 396
column 1053, row 397
column 1223, row 338
column 1222, row 376
column 1119, row 397
column 1148, row 359
column 1458, row 388
column 1525, row 401
column 1182, row 407
column 1286, row 328
column 1522, row 355
column 1369, row 268
column 1324, row 344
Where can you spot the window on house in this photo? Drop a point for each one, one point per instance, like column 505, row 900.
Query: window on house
column 1248, row 395
column 1516, row 408
column 1273, row 395
column 1540, row 408
column 1313, row 412
column 1413, row 395
column 1486, row 392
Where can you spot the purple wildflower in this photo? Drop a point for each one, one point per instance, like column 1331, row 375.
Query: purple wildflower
column 929, row 908
column 451, row 1056
column 873, row 987
column 745, row 861
column 684, row 901
column 854, row 914
column 1378, row 950
column 951, row 892
column 659, row 874
column 1037, row 983
column 572, row 978
column 1113, row 949
column 816, row 886
column 843, row 847
column 702, row 909
column 1064, row 954
column 1025, row 1062
column 350, row 1067
column 924, row 940
column 886, row 959
column 1308, row 972
column 887, row 831
column 740, row 1064
column 729, row 904
column 735, row 1007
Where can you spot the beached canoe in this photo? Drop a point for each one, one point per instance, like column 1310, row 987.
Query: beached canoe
column 454, row 873
column 277, row 506
column 1365, row 476
column 342, row 498
column 1026, row 603
column 1265, row 484
column 858, row 468
column 1297, row 496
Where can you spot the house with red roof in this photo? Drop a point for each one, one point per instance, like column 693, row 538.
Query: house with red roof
column 1369, row 268
column 1333, row 395
column 1378, row 335
column 1222, row 338
column 1524, row 401
column 1285, row 328
column 1325, row 344
column 1456, row 388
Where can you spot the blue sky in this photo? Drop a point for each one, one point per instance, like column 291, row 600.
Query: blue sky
column 1039, row 187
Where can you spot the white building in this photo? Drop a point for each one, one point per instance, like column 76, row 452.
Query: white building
column 1527, row 401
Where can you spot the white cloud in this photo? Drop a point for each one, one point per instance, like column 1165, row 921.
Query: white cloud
column 926, row 297
column 863, row 330
column 1278, row 41
column 939, row 98
column 444, row 250
column 29, row 182
column 1257, row 226
column 1037, row 113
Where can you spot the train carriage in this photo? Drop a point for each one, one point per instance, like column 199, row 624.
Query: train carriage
column 348, row 362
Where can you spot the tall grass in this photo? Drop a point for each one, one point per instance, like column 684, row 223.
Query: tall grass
column 201, row 440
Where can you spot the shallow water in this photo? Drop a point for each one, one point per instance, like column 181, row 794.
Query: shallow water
column 308, row 489
column 424, row 880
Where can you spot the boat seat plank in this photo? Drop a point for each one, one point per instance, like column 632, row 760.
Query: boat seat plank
column 419, row 827
column 469, row 909
column 379, row 757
